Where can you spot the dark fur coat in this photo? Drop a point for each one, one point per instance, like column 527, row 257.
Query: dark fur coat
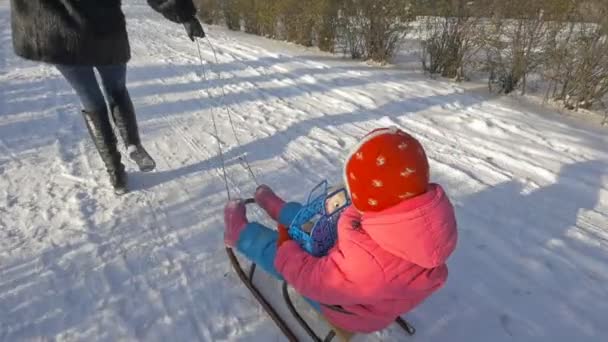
column 80, row 32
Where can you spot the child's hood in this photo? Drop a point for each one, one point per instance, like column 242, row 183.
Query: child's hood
column 421, row 230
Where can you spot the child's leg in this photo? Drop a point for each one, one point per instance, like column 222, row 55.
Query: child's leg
column 288, row 213
column 313, row 304
column 275, row 206
column 259, row 244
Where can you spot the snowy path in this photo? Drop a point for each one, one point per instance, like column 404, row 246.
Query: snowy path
column 77, row 263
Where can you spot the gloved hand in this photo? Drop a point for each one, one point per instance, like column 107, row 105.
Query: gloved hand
column 194, row 29
column 235, row 221
column 283, row 235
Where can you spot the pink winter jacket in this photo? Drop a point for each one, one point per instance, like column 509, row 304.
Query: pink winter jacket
column 383, row 265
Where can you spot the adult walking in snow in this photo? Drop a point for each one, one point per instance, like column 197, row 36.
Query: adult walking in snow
column 80, row 36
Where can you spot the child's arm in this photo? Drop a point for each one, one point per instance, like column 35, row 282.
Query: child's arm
column 319, row 279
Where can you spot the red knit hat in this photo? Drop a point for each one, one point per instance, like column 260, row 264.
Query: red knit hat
column 385, row 168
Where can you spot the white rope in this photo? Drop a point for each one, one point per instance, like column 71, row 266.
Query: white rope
column 229, row 113
column 243, row 158
column 216, row 132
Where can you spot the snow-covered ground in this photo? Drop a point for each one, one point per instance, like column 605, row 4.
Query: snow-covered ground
column 78, row 263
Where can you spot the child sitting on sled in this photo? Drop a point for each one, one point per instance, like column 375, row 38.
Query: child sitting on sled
column 392, row 241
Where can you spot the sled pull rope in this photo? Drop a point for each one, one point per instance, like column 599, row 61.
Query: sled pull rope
column 215, row 130
column 229, row 113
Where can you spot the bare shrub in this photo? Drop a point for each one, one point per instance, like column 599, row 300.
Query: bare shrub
column 259, row 17
column 351, row 32
column 230, row 11
column 247, row 11
column 577, row 59
column 515, row 44
column 372, row 29
column 297, row 18
column 326, row 24
column 450, row 39
column 584, row 80
column 267, row 17
column 210, row 12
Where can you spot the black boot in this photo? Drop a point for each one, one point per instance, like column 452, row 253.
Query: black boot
column 140, row 156
column 123, row 115
column 125, row 121
column 119, row 182
column 101, row 132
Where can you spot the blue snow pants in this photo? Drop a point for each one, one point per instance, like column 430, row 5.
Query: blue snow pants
column 259, row 243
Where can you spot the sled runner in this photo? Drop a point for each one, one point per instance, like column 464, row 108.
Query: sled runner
column 317, row 238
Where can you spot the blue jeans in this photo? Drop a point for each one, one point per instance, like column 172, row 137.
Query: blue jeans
column 82, row 79
column 113, row 80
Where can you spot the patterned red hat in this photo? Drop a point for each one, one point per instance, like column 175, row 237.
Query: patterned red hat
column 385, row 168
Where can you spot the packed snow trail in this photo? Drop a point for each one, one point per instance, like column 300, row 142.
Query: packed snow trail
column 78, row 263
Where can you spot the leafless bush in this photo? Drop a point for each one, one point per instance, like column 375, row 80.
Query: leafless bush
column 514, row 49
column 372, row 29
column 232, row 17
column 451, row 38
column 259, row 17
column 247, row 12
column 297, row 19
column 584, row 79
column 211, row 12
column 351, row 32
column 577, row 60
column 605, row 108
column 267, row 18
column 326, row 25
